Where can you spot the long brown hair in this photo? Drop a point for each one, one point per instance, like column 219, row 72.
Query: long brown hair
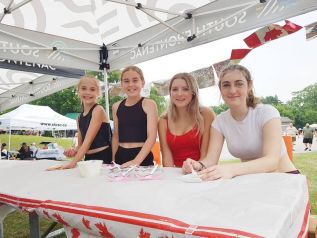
column 193, row 107
column 251, row 101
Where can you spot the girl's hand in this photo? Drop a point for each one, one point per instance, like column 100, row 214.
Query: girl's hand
column 217, row 172
column 66, row 166
column 130, row 163
column 70, row 152
column 189, row 165
column 70, row 165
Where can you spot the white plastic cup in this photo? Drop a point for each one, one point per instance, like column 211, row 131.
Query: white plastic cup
column 89, row 168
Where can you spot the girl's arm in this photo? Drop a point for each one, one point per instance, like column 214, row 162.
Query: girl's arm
column 208, row 116
column 150, row 109
column 267, row 163
column 115, row 135
column 98, row 116
column 167, row 157
column 72, row 151
column 215, row 145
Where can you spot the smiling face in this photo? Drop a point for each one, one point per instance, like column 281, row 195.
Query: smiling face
column 180, row 93
column 234, row 88
column 88, row 90
column 132, row 83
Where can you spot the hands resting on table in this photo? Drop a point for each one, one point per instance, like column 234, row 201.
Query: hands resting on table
column 225, row 171
column 70, row 165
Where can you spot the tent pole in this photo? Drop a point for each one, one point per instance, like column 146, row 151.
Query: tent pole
column 9, row 147
column 105, row 73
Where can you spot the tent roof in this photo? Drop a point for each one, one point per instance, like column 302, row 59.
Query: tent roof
column 70, row 33
column 33, row 117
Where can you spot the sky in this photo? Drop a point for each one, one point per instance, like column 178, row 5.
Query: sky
column 279, row 67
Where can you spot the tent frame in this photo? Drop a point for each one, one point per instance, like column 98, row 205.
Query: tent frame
column 119, row 50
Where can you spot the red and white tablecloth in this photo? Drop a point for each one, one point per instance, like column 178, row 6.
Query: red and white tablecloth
column 259, row 205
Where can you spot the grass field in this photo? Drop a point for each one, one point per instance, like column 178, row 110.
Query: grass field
column 306, row 163
column 17, row 140
column 16, row 224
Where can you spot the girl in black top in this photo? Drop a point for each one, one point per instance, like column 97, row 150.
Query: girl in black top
column 135, row 122
column 94, row 132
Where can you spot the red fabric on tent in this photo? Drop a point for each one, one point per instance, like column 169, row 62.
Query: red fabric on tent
column 270, row 32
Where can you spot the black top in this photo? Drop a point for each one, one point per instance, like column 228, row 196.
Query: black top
column 132, row 122
column 104, row 134
column 25, row 153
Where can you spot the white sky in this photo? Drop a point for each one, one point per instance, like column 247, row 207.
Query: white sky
column 279, row 67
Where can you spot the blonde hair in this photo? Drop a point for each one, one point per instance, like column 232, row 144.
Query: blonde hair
column 95, row 81
column 193, row 107
column 251, row 101
column 132, row 68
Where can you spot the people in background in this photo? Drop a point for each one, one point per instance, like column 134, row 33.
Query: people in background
column 252, row 132
column 94, row 132
column 308, row 135
column 25, row 152
column 291, row 131
column 185, row 129
column 135, row 122
column 75, row 140
column 33, row 149
column 5, row 154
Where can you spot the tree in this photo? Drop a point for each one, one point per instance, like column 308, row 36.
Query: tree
column 219, row 109
column 304, row 104
column 62, row 102
column 159, row 100
column 273, row 100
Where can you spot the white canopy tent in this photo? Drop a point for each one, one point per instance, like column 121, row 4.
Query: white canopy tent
column 116, row 33
column 33, row 117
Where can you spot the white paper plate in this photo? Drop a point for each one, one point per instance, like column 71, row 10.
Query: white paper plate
column 191, row 178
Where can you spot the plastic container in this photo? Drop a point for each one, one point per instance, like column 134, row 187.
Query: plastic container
column 89, row 168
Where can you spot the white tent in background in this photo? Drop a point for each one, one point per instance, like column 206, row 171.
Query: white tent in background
column 33, row 117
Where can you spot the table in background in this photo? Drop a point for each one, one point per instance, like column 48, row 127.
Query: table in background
column 259, row 205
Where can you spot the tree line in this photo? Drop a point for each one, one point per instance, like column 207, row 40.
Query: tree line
column 302, row 108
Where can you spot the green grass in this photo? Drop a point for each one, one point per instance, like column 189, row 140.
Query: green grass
column 306, row 163
column 17, row 140
column 16, row 225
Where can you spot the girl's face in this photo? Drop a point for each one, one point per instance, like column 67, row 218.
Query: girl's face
column 180, row 93
column 132, row 83
column 234, row 89
column 88, row 91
